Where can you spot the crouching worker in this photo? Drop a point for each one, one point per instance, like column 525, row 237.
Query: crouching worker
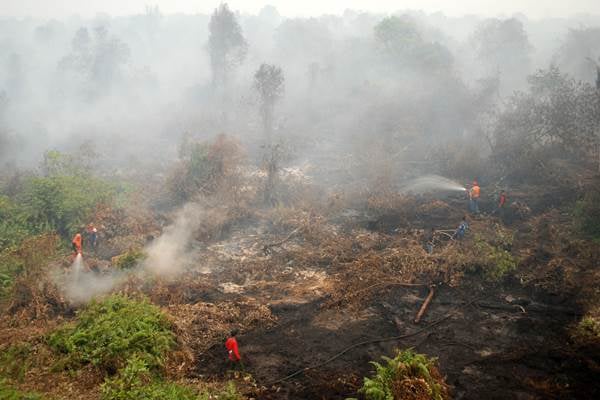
column 461, row 230
column 231, row 345
column 428, row 240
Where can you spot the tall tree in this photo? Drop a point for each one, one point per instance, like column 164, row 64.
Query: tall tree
column 580, row 46
column 98, row 60
column 269, row 83
column 557, row 112
column 3, row 131
column 226, row 44
column 397, row 34
column 403, row 44
column 502, row 46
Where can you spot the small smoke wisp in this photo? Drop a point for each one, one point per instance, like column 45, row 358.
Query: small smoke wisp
column 80, row 285
column 432, row 183
column 168, row 255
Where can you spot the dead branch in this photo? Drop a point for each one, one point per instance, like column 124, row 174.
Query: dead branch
column 528, row 308
column 425, row 304
column 267, row 247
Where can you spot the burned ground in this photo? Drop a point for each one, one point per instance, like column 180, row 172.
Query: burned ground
column 316, row 296
column 502, row 341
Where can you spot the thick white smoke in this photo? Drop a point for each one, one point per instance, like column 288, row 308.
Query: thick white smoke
column 80, row 285
column 168, row 255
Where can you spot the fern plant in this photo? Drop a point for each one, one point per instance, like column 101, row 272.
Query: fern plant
column 407, row 368
column 111, row 331
column 136, row 381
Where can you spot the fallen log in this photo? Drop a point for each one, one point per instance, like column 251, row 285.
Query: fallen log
column 425, row 304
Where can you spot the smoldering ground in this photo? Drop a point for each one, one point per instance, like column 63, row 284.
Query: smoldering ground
column 167, row 257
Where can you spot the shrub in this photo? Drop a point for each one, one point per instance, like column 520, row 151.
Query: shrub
column 111, row 331
column 129, row 259
column 136, row 381
column 13, row 224
column 204, row 167
column 407, row 376
column 10, row 266
column 14, row 361
column 28, row 259
column 62, row 203
column 587, row 331
column 495, row 261
column 587, row 214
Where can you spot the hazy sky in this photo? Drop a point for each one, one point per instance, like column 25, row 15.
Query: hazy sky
column 533, row 8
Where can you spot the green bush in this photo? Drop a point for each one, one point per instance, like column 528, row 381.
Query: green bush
column 136, row 381
column 9, row 393
column 203, row 166
column 129, row 259
column 110, row 332
column 10, row 267
column 495, row 261
column 62, row 203
column 587, row 214
column 30, row 257
column 13, row 224
column 14, row 361
column 587, row 331
column 405, row 372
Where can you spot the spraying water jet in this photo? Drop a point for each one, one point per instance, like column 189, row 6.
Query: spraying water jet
column 432, row 183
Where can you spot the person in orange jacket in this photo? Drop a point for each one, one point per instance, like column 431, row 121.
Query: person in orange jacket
column 76, row 243
column 474, row 194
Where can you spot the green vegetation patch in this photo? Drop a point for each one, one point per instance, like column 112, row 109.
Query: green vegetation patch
column 28, row 258
column 14, row 361
column 587, row 331
column 7, row 392
column 136, row 381
column 62, row 203
column 129, row 259
column 110, row 332
column 229, row 393
column 406, row 376
column 13, row 224
column 495, row 261
column 587, row 214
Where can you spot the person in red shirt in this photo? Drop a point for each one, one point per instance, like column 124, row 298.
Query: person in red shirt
column 502, row 201
column 502, row 205
column 231, row 345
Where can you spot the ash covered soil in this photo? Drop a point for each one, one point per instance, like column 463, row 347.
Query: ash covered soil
column 316, row 296
column 503, row 340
